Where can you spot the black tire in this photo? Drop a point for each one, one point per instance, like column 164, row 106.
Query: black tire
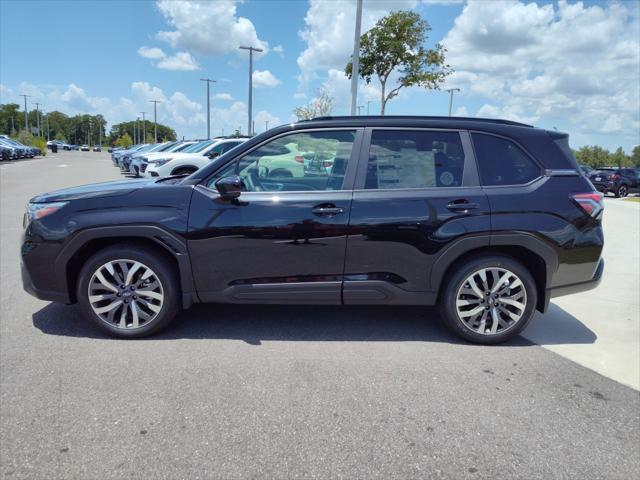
column 183, row 171
column 622, row 191
column 157, row 262
column 448, row 310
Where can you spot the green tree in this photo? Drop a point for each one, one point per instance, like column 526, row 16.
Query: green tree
column 318, row 107
column 124, row 141
column 396, row 43
column 619, row 159
column 635, row 156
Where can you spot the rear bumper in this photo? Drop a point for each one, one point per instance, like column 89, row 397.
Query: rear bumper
column 580, row 286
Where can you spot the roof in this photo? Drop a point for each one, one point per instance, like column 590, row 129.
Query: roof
column 405, row 118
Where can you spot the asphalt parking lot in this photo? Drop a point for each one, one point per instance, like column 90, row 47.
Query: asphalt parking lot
column 314, row 392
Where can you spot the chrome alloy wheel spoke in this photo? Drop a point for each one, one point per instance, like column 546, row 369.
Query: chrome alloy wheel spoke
column 125, row 294
column 491, row 300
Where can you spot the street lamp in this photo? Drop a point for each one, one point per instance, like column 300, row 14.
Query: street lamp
column 26, row 124
column 155, row 121
column 251, row 50
column 209, row 82
column 144, row 129
column 355, row 61
column 451, row 90
column 37, row 116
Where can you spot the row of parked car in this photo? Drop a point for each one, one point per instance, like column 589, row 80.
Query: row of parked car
column 12, row 149
column 171, row 158
column 60, row 145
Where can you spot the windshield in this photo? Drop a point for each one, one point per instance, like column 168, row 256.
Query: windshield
column 181, row 147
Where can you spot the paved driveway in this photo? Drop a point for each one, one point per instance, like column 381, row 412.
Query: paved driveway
column 299, row 392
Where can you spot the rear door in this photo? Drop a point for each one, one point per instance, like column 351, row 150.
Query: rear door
column 416, row 193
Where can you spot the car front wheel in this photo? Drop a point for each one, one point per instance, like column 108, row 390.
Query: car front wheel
column 128, row 291
column 489, row 299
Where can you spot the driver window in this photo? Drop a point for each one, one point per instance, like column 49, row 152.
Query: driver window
column 296, row 162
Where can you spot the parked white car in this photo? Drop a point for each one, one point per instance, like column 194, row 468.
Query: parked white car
column 185, row 163
column 139, row 161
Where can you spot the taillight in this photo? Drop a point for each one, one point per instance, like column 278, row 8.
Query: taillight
column 592, row 202
column 299, row 158
column 615, row 176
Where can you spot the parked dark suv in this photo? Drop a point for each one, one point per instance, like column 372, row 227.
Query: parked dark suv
column 489, row 219
column 615, row 180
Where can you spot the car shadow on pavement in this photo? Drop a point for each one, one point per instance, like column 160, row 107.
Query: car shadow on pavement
column 255, row 323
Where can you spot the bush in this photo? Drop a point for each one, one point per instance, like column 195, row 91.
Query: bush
column 124, row 141
column 40, row 143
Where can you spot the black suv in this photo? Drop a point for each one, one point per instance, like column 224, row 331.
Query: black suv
column 615, row 180
column 489, row 219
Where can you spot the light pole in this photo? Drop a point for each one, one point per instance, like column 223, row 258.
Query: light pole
column 26, row 126
column 355, row 63
column 155, row 122
column 359, row 107
column 368, row 103
column 135, row 138
column 144, row 129
column 89, row 134
column 209, row 82
column 48, row 130
column 266, row 125
column 451, row 90
column 251, row 50
column 37, row 116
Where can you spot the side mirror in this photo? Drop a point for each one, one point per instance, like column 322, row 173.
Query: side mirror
column 229, row 187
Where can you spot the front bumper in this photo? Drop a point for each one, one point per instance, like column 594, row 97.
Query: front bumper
column 42, row 294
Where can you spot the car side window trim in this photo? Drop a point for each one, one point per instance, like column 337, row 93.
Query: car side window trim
column 350, row 173
column 470, row 178
column 541, row 169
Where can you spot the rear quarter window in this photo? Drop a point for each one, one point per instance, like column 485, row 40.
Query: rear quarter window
column 502, row 162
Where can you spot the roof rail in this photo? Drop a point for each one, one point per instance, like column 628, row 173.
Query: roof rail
column 420, row 117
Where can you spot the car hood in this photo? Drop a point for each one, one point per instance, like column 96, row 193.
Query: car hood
column 106, row 189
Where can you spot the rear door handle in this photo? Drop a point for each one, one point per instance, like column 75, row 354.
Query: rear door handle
column 326, row 210
column 462, row 206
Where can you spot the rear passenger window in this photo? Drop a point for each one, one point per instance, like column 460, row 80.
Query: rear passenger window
column 414, row 159
column 502, row 162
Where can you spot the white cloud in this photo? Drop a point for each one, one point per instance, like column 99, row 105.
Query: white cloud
column 207, row 27
column 571, row 64
column 461, row 112
column 179, row 61
column 262, row 117
column 328, row 32
column 264, row 78
column 278, row 49
column 223, row 96
column 152, row 53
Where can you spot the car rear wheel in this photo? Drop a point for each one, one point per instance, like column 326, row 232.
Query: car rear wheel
column 489, row 299
column 622, row 191
column 128, row 291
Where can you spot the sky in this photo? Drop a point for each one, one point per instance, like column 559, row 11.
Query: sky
column 565, row 65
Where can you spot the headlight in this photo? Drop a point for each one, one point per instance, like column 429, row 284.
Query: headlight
column 160, row 161
column 36, row 211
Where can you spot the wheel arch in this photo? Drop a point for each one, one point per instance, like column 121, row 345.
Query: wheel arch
column 537, row 256
column 183, row 167
column 84, row 244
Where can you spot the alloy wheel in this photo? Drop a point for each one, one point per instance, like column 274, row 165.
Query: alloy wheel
column 125, row 294
column 491, row 300
column 622, row 191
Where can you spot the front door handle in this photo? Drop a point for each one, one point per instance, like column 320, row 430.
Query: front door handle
column 326, row 210
column 462, row 205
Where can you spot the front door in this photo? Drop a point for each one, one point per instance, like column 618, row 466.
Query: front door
column 416, row 193
column 284, row 239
